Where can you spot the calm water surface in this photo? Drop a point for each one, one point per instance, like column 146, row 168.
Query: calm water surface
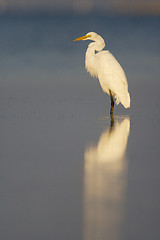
column 66, row 171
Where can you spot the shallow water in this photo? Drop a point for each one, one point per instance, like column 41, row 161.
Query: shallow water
column 66, row 171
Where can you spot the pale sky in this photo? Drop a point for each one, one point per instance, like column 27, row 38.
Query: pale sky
column 135, row 6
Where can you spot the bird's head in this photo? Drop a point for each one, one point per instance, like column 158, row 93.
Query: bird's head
column 89, row 36
column 98, row 44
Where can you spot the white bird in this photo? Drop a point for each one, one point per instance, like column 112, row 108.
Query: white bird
column 104, row 66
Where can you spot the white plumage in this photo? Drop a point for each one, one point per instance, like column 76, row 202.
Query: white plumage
column 104, row 66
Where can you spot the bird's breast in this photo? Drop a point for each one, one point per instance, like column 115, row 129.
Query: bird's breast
column 90, row 65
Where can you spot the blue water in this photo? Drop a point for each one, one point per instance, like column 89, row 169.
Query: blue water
column 55, row 122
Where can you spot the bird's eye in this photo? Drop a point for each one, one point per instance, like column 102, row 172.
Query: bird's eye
column 89, row 35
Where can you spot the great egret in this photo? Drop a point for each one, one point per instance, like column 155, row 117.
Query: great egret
column 105, row 67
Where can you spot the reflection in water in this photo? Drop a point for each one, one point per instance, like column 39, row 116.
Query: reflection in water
column 105, row 175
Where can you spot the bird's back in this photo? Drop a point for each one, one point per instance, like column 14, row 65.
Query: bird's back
column 112, row 76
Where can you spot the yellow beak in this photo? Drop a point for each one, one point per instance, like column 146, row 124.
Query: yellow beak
column 82, row 38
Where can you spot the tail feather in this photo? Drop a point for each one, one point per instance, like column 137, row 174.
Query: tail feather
column 125, row 100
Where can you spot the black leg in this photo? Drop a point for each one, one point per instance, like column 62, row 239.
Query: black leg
column 112, row 103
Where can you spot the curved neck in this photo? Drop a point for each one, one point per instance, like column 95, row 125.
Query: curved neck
column 97, row 45
column 90, row 59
